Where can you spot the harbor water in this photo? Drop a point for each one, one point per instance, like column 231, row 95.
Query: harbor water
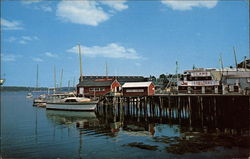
column 126, row 130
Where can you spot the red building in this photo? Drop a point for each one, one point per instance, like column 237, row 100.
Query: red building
column 138, row 89
column 98, row 87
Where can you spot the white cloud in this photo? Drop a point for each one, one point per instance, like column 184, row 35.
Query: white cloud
column 22, row 42
column 9, row 57
column 37, row 59
column 30, row 1
column 118, row 5
column 111, row 50
column 189, row 4
column 26, row 39
column 49, row 54
column 10, row 25
column 138, row 64
column 11, row 39
column 87, row 12
column 22, row 39
column 46, row 8
column 81, row 12
column 34, row 5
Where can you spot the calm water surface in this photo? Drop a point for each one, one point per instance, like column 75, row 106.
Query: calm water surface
column 31, row 132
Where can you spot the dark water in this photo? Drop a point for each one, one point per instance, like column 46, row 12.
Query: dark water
column 124, row 132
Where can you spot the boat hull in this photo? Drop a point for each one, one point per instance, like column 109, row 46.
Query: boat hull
column 83, row 106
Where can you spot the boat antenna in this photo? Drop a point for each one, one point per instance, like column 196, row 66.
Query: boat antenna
column 80, row 58
column 236, row 66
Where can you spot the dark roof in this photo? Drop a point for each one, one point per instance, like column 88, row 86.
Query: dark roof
column 89, row 83
column 94, row 80
column 242, row 64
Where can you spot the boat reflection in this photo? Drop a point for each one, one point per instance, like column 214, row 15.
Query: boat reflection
column 69, row 117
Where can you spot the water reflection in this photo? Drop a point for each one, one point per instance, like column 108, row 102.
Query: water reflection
column 69, row 117
column 204, row 114
column 179, row 126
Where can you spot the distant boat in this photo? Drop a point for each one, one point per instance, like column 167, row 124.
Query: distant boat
column 29, row 95
column 51, row 98
column 2, row 81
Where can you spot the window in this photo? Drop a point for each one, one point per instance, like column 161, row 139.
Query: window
column 134, row 90
column 96, row 89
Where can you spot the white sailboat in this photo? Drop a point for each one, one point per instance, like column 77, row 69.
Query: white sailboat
column 74, row 103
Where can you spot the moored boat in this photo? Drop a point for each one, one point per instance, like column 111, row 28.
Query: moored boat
column 29, row 95
column 74, row 104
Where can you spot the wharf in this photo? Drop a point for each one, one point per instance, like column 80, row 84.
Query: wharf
column 178, row 103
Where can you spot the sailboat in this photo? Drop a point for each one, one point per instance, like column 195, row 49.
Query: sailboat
column 74, row 103
column 29, row 95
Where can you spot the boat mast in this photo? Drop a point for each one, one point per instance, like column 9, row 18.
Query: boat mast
column 245, row 61
column 106, row 69
column 235, row 59
column 80, row 58
column 54, row 79
column 221, row 62
column 177, row 76
column 37, row 77
column 61, row 79
column 68, row 85
column 73, row 83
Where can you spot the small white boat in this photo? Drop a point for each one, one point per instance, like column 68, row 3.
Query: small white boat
column 74, row 104
column 29, row 95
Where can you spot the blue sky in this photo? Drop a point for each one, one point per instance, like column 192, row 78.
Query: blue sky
column 132, row 37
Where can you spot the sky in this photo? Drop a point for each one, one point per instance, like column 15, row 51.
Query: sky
column 133, row 37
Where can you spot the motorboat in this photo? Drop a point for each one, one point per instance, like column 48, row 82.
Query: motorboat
column 74, row 104
column 29, row 95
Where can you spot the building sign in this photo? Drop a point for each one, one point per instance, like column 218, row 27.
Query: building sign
column 200, row 74
column 198, row 83
column 134, row 90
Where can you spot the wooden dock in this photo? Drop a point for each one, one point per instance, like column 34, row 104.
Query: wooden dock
column 194, row 108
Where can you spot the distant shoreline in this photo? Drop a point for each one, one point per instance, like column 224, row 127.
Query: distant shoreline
column 23, row 88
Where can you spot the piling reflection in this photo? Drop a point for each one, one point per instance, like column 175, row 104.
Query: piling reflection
column 197, row 124
column 193, row 113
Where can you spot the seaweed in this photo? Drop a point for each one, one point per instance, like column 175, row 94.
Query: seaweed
column 142, row 146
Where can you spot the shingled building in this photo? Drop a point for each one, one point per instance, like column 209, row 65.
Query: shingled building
column 102, row 85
